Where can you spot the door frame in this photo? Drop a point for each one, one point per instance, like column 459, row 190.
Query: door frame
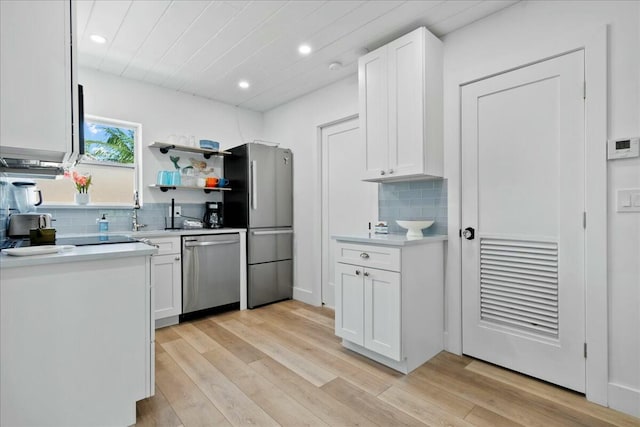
column 596, row 285
column 324, row 249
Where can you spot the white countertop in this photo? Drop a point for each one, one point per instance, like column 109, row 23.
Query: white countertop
column 79, row 253
column 389, row 239
column 97, row 252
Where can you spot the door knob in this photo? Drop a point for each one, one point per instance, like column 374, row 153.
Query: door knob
column 357, row 272
column 381, row 172
column 366, row 274
column 390, row 171
column 177, row 258
column 469, row 233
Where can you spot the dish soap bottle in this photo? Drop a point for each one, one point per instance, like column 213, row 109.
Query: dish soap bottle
column 103, row 224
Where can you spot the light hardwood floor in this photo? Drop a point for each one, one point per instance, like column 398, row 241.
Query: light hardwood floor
column 283, row 365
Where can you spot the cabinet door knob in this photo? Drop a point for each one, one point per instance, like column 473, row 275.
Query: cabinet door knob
column 357, row 272
column 381, row 172
column 390, row 171
column 177, row 258
column 364, row 255
column 366, row 274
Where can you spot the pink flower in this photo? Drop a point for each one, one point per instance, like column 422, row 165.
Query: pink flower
column 82, row 182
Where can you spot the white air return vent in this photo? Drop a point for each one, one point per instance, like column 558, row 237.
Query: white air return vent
column 519, row 284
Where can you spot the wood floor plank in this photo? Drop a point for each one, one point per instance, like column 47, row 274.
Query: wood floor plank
column 481, row 417
column 221, row 369
column 319, row 357
column 509, row 402
column 433, row 395
column 309, row 371
column 187, row 400
column 548, row 391
column 196, row 338
column 156, row 411
column 421, row 409
column 279, row 405
column 565, row 414
column 236, row 345
column 224, row 394
column 372, row 408
column 323, row 405
column 315, row 317
column 167, row 334
column 311, row 333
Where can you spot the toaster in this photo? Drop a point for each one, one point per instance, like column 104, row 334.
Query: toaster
column 21, row 223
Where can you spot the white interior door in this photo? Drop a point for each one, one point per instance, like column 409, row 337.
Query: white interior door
column 348, row 204
column 523, row 194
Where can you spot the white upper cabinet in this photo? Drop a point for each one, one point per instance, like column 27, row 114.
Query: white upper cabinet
column 400, row 87
column 37, row 106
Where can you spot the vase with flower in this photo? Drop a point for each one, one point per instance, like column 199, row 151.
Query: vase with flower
column 82, row 183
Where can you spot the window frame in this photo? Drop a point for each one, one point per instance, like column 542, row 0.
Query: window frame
column 136, row 166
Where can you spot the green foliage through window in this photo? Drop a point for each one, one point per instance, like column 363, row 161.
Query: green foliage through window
column 109, row 143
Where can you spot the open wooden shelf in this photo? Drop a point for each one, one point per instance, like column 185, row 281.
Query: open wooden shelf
column 165, row 188
column 165, row 147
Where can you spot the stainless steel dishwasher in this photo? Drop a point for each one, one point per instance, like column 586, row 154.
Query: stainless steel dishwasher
column 210, row 272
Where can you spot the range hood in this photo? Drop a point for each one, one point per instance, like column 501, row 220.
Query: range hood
column 30, row 168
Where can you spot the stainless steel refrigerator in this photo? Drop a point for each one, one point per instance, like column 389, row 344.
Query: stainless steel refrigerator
column 261, row 200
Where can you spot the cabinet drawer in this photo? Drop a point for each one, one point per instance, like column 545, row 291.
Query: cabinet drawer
column 166, row 245
column 383, row 257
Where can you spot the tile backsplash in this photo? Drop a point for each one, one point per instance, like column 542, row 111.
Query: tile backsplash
column 154, row 215
column 414, row 200
column 77, row 220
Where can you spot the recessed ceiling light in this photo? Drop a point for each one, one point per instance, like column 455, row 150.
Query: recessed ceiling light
column 304, row 49
column 244, row 84
column 97, row 38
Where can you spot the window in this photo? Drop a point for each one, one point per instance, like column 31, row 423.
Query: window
column 112, row 159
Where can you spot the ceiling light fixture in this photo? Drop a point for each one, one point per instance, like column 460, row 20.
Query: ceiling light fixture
column 243, row 84
column 97, row 38
column 304, row 49
column 335, row 66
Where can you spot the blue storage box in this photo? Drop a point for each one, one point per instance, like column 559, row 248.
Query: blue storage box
column 209, row 145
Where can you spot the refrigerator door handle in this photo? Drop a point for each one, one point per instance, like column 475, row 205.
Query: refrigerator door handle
column 264, row 233
column 254, row 185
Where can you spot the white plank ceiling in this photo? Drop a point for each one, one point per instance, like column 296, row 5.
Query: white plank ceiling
column 206, row 47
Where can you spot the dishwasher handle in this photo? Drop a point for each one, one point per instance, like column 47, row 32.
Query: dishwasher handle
column 192, row 244
column 270, row 232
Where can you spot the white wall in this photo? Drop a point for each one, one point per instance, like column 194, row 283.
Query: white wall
column 515, row 36
column 163, row 112
column 526, row 32
column 295, row 125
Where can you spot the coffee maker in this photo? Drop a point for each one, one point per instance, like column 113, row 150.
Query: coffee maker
column 212, row 215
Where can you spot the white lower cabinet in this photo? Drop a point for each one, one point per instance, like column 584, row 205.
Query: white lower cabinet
column 394, row 317
column 166, row 276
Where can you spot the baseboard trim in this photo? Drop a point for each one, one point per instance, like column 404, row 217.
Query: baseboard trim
column 624, row 399
column 304, row 295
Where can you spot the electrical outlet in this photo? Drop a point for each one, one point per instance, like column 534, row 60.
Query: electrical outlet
column 177, row 211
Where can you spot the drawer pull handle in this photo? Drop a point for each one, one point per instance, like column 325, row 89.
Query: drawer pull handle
column 357, row 272
column 366, row 274
column 364, row 255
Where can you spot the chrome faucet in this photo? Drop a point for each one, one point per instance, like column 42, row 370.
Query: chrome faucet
column 134, row 216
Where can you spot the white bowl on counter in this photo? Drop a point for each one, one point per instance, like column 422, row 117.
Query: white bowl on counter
column 414, row 228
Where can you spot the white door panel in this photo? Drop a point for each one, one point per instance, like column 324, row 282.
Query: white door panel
column 523, row 193
column 406, row 104
column 349, row 204
column 382, row 312
column 349, row 322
